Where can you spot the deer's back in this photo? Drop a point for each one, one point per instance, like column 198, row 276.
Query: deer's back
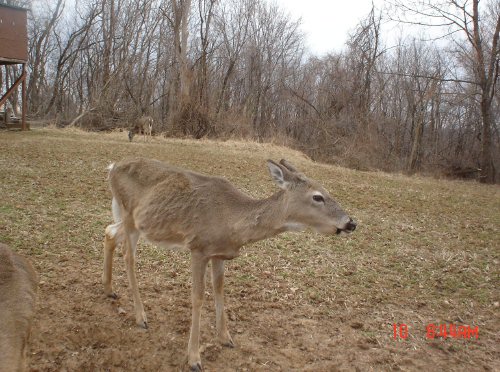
column 169, row 203
column 133, row 180
column 142, row 122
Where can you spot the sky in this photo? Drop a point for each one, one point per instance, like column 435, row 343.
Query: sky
column 326, row 23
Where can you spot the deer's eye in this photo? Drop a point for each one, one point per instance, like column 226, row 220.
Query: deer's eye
column 318, row 198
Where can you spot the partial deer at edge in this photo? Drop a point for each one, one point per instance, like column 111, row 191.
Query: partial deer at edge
column 144, row 126
column 210, row 217
column 18, row 287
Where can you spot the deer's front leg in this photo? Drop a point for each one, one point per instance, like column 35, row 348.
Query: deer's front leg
column 198, row 268
column 220, row 316
column 130, row 247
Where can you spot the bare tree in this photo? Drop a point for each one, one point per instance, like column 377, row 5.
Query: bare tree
column 178, row 14
column 238, row 68
column 68, row 53
column 481, row 30
column 40, row 46
column 232, row 24
column 364, row 49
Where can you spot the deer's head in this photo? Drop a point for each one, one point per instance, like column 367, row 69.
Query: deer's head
column 308, row 203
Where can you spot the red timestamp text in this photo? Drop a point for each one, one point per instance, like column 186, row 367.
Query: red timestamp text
column 451, row 330
column 400, row 331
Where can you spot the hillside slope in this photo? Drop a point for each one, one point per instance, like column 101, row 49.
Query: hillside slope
column 425, row 252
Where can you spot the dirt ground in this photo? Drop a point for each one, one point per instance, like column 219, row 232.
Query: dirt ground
column 426, row 251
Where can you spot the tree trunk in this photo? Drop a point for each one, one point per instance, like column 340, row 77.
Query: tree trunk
column 184, row 68
column 487, row 74
column 487, row 174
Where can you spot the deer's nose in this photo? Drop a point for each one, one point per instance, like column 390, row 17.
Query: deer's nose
column 351, row 225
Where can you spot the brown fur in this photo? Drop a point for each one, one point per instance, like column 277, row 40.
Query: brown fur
column 18, row 287
column 211, row 218
column 7, row 115
column 144, row 126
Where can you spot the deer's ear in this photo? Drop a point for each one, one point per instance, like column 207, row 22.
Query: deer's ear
column 282, row 176
column 288, row 166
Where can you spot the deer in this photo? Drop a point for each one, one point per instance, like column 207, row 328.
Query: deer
column 18, row 288
column 179, row 208
column 8, row 115
column 144, row 126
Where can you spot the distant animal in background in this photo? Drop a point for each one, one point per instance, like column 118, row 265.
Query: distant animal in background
column 144, row 126
column 8, row 115
column 18, row 288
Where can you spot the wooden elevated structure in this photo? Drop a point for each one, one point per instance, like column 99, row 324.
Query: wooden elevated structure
column 14, row 50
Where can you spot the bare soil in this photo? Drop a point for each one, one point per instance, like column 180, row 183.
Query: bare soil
column 426, row 251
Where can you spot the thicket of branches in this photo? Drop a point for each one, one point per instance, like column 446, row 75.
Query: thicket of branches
column 239, row 68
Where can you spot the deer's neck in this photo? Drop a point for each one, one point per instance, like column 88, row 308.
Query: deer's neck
column 262, row 218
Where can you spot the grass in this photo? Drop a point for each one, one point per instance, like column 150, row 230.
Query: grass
column 426, row 250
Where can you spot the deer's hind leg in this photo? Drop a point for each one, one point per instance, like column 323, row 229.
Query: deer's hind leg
column 113, row 236
column 220, row 316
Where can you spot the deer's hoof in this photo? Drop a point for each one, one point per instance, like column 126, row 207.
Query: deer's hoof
column 112, row 295
column 196, row 367
column 143, row 323
column 141, row 320
column 229, row 343
column 226, row 340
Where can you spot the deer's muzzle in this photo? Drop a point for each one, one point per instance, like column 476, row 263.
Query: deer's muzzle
column 349, row 227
